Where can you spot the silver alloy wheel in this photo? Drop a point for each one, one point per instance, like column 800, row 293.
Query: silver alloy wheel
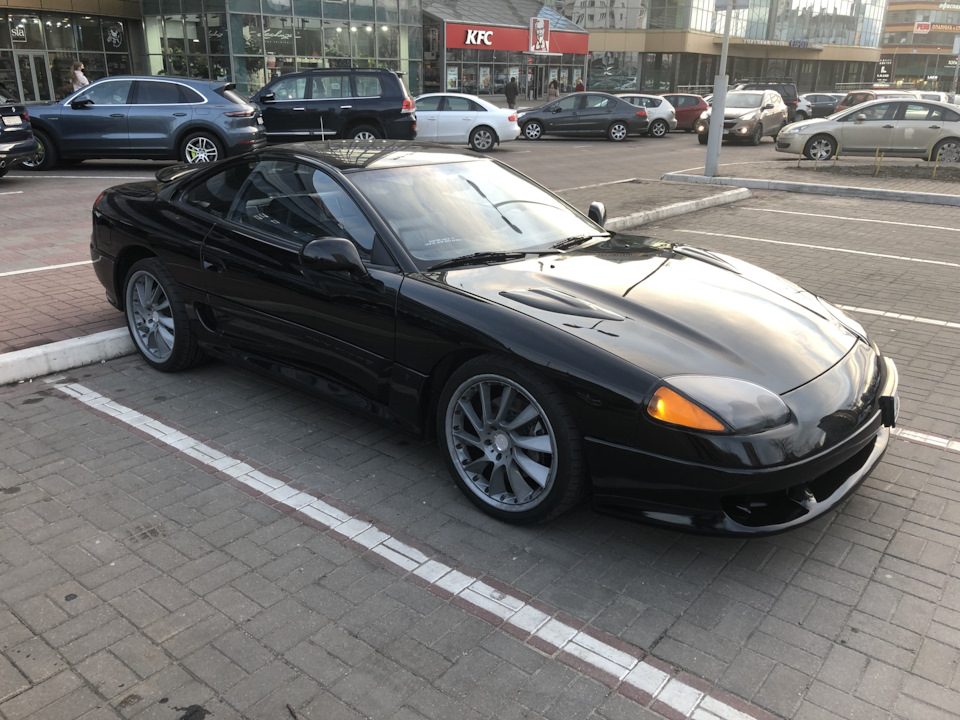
column 201, row 149
column 948, row 151
column 502, row 443
column 37, row 159
column 617, row 132
column 364, row 135
column 820, row 148
column 150, row 316
column 659, row 128
column 532, row 130
column 482, row 139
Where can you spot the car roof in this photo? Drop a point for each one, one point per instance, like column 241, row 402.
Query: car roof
column 193, row 82
column 349, row 155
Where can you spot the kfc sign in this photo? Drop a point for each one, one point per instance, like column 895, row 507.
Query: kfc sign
column 479, row 37
column 921, row 28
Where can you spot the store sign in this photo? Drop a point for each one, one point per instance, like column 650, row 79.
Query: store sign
column 938, row 27
column 19, row 33
column 479, row 37
column 539, row 35
column 921, row 28
column 949, row 6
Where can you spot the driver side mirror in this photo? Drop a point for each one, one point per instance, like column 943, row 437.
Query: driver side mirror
column 860, row 117
column 556, row 109
column 768, row 106
column 268, row 97
column 80, row 103
column 597, row 212
column 331, row 253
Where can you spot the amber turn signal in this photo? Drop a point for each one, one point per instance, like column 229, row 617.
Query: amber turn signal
column 670, row 407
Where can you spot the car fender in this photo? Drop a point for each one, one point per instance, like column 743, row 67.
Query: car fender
column 196, row 125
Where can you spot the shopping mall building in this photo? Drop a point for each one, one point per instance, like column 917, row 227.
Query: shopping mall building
column 917, row 45
column 461, row 45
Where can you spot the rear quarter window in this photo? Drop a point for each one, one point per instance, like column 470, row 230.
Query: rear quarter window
column 368, row 86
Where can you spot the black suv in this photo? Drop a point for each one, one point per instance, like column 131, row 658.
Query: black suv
column 17, row 143
column 337, row 103
column 785, row 86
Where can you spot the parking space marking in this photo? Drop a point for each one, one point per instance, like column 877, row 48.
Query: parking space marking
column 619, row 666
column 45, row 267
column 586, row 187
column 902, row 316
column 132, row 178
column 882, row 256
column 12, row 192
column 922, row 438
column 854, row 219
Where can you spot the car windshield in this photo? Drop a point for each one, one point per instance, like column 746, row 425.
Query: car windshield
column 451, row 210
column 744, row 100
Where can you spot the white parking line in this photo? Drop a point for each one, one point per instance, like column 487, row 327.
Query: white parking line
column 902, row 316
column 585, row 187
column 626, row 671
column 922, row 438
column 883, row 256
column 45, row 176
column 12, row 192
column 854, row 219
column 45, row 267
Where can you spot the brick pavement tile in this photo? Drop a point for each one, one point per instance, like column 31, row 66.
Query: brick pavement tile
column 316, row 662
column 39, row 613
column 35, row 659
column 13, row 680
column 435, row 705
column 139, row 608
column 260, row 684
column 140, row 655
column 327, row 705
column 205, row 632
column 107, row 674
column 258, row 588
column 38, row 696
column 247, row 652
column 79, row 702
column 296, row 694
column 214, row 669
column 377, row 688
column 177, row 621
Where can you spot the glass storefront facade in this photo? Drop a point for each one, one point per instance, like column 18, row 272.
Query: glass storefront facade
column 253, row 41
column 921, row 56
column 37, row 50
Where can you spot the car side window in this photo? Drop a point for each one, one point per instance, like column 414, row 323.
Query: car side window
column 430, row 103
column 295, row 202
column 458, row 104
column 918, row 111
column 571, row 102
column 157, row 92
column 112, row 92
column 598, row 101
column 294, row 88
column 879, row 112
column 331, row 86
column 216, row 193
column 368, row 86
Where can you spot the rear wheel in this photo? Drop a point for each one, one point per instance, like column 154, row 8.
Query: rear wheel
column 510, row 442
column 46, row 156
column 801, row 115
column 200, row 147
column 482, row 139
column 365, row 132
column 617, row 132
column 820, row 147
column 947, row 151
column 157, row 319
column 658, row 129
column 533, row 130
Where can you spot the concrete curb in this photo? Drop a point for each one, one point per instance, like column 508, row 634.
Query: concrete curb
column 42, row 360
column 799, row 187
column 680, row 208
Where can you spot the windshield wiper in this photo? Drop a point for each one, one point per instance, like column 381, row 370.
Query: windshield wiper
column 480, row 192
column 573, row 241
column 479, row 258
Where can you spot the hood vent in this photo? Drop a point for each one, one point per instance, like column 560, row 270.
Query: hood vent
column 555, row 301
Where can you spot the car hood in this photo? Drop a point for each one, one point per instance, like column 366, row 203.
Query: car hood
column 672, row 310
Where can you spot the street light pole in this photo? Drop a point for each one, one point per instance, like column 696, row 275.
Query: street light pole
column 719, row 103
column 956, row 67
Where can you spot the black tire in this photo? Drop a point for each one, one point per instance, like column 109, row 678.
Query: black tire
column 800, row 116
column 201, row 147
column 658, row 129
column 702, row 138
column 364, row 132
column 757, row 135
column 157, row 319
column 483, row 138
column 3, row 171
column 946, row 151
column 533, row 130
column 820, row 147
column 47, row 155
column 618, row 131
column 520, row 473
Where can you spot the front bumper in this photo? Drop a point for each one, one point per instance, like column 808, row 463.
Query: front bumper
column 741, row 130
column 726, row 496
column 792, row 143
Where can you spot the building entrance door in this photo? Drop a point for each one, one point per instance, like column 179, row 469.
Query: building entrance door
column 34, row 77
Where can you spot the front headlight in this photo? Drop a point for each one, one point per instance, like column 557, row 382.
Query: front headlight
column 717, row 404
column 705, row 114
column 790, row 130
column 750, row 116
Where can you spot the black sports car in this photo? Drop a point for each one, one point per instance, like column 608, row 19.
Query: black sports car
column 450, row 294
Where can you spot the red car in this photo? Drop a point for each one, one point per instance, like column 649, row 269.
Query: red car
column 688, row 109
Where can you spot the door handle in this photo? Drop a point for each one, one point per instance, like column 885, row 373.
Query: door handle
column 303, row 109
column 214, row 266
column 346, row 107
column 117, row 115
column 888, row 127
column 179, row 114
column 934, row 127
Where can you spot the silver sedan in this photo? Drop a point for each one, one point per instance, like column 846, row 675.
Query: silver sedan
column 897, row 127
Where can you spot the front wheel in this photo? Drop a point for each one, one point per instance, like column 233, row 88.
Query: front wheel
column 658, row 129
column 702, row 139
column 157, row 319
column 801, row 115
column 482, row 139
column 200, row 147
column 365, row 132
column 533, row 130
column 46, row 156
column 617, row 132
column 820, row 147
column 757, row 135
column 510, row 442
column 946, row 151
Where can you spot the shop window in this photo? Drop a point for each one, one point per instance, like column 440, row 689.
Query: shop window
column 336, row 39
column 388, row 41
column 58, row 30
column 27, row 32
column 309, row 37
column 307, row 8
column 247, row 34
column 4, row 31
column 362, row 10
column 335, row 10
column 278, row 35
column 388, row 11
column 363, row 41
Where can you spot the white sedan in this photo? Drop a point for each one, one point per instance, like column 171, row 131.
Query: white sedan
column 661, row 114
column 464, row 119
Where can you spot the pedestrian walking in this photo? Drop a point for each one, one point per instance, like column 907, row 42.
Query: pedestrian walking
column 77, row 78
column 511, row 91
column 553, row 90
column 579, row 87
